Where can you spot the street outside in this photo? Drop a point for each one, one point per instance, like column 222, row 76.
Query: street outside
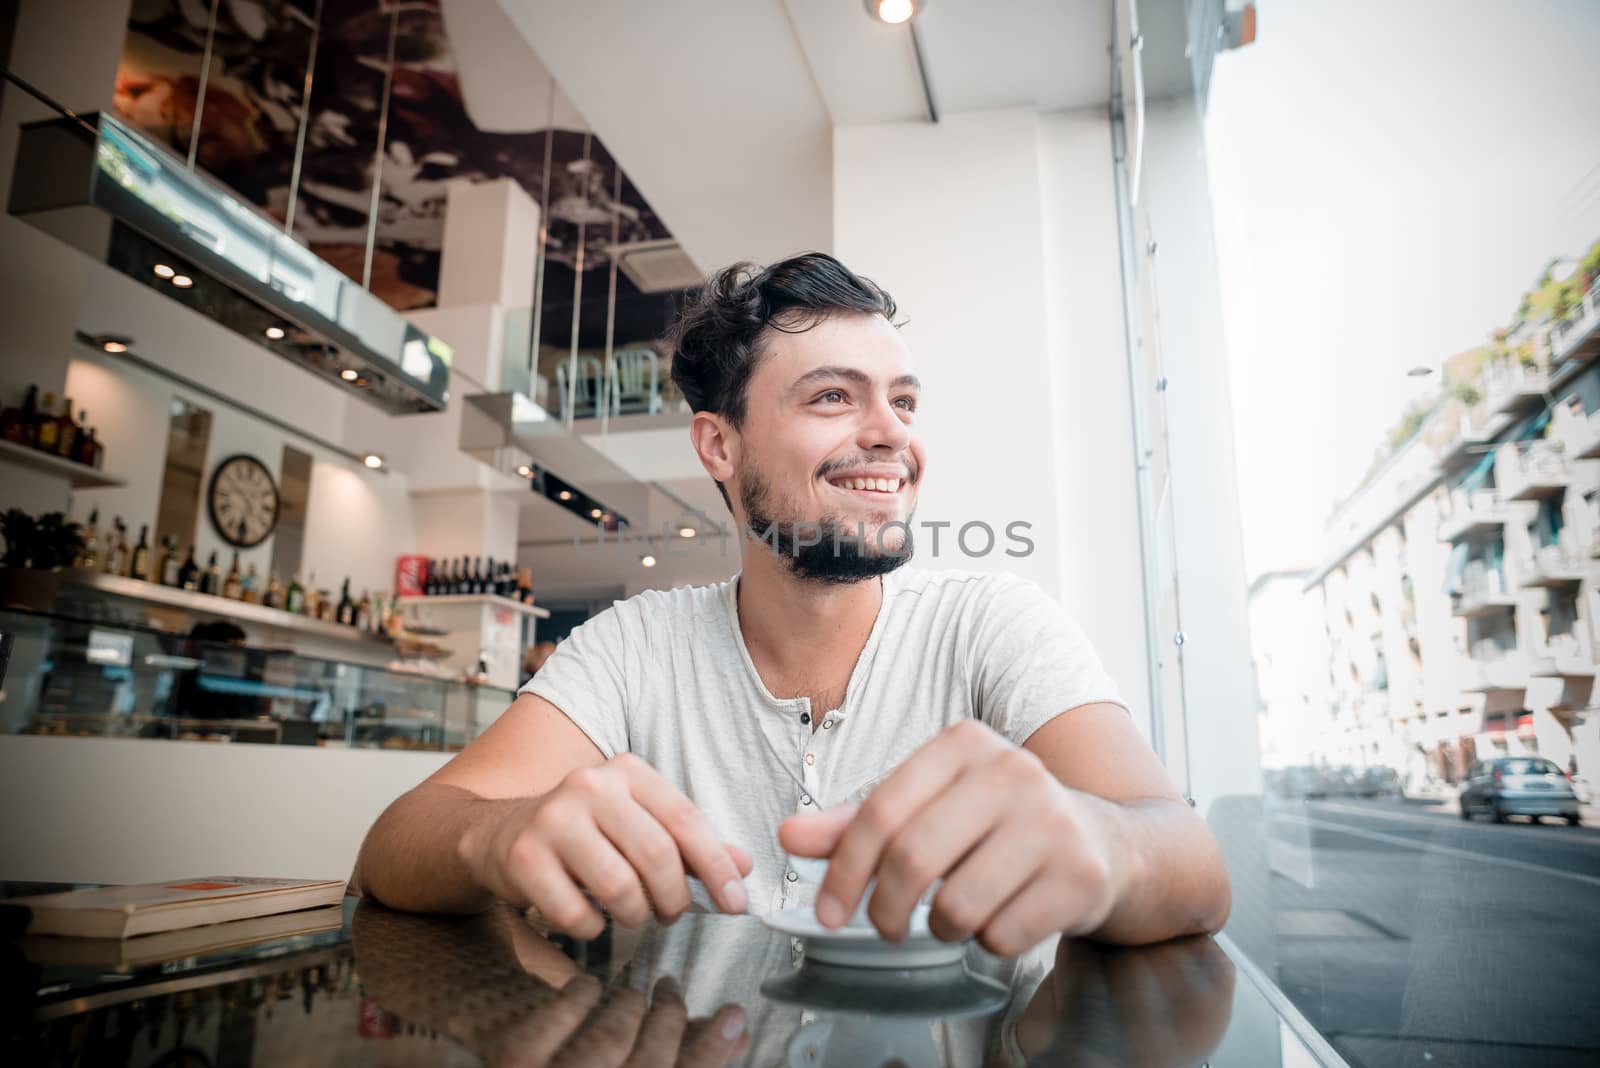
column 1408, row 936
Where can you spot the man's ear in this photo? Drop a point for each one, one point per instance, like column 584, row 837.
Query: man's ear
column 716, row 442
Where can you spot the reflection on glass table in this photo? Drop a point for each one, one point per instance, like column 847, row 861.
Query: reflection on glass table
column 72, row 676
column 493, row 988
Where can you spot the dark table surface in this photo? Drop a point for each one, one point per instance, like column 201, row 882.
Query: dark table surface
column 396, row 989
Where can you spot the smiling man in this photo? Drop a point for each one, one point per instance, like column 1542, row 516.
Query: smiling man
column 940, row 732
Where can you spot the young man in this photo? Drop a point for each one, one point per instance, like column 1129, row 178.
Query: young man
column 913, row 727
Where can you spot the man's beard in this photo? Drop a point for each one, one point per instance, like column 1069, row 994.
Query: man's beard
column 824, row 550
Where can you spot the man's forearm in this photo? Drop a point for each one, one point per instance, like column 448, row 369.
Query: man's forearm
column 409, row 860
column 1174, row 881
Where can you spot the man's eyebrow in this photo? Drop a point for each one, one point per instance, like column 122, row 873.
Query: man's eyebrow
column 850, row 374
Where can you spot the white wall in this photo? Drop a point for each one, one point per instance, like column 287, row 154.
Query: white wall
column 947, row 217
column 123, row 810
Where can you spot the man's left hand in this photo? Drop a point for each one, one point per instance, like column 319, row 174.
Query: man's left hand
column 1022, row 856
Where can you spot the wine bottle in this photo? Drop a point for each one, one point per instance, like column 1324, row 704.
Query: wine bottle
column 347, row 607
column 139, row 568
column 90, row 555
column 189, row 573
column 16, row 424
column 167, row 570
column 273, row 598
column 294, row 600
column 211, row 581
column 250, row 586
column 66, row 430
column 230, row 585
column 116, row 555
column 45, row 426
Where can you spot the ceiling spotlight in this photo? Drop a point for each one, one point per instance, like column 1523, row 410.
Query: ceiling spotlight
column 565, row 495
column 595, row 513
column 163, row 271
column 349, row 375
column 647, row 560
column 275, row 333
column 113, row 343
column 182, row 281
column 372, row 460
column 525, row 471
column 686, row 532
column 894, row 12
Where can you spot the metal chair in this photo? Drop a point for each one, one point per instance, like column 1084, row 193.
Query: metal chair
column 586, row 398
column 636, row 385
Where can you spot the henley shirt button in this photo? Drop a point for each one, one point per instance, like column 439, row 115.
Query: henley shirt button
column 805, row 799
column 827, row 724
column 791, row 876
column 811, row 758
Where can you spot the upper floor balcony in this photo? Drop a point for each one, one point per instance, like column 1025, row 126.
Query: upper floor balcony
column 1530, row 470
column 1577, row 335
column 1567, row 656
column 1510, row 385
column 1484, row 591
column 1578, row 432
column 1564, row 564
column 1477, row 512
column 1505, row 674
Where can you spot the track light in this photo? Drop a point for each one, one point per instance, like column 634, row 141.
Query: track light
column 182, row 281
column 349, row 375
column 274, row 333
column 372, row 460
column 647, row 560
column 894, row 12
column 163, row 271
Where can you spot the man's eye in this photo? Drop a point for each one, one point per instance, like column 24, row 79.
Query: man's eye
column 907, row 403
column 833, row 395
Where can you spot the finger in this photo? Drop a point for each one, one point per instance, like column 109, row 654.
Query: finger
column 543, row 879
column 701, row 848
column 607, row 875
column 1032, row 915
column 928, row 772
column 651, row 852
column 538, row 1037
column 716, row 1041
column 741, row 858
column 979, row 887
column 661, row 1034
column 815, row 834
column 933, row 843
column 604, row 1042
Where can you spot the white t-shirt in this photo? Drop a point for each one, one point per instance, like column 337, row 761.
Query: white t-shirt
column 666, row 675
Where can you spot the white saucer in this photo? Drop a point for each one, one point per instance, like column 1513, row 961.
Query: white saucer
column 862, row 947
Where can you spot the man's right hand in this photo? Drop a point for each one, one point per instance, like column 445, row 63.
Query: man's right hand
column 615, row 830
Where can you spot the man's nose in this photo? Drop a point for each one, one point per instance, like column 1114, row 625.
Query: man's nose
column 882, row 428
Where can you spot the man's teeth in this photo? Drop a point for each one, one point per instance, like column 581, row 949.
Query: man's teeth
column 881, row 485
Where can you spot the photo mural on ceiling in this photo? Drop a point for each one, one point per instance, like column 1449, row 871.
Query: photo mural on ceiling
column 250, row 124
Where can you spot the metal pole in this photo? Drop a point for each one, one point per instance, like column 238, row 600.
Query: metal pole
column 305, row 121
column 577, row 297
column 377, row 156
column 611, row 295
column 544, row 234
column 200, row 94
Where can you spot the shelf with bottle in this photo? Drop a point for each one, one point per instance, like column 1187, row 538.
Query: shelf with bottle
column 59, row 442
column 129, row 571
column 466, row 576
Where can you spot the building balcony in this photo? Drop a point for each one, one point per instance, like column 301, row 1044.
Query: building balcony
column 1482, row 602
column 1531, row 470
column 1474, row 430
column 1509, row 674
column 1510, row 386
column 1552, row 567
column 1578, row 335
column 1566, row 656
column 1476, row 512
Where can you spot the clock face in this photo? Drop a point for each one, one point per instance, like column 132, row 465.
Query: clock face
column 243, row 501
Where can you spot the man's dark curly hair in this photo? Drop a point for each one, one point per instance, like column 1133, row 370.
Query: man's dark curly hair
column 717, row 342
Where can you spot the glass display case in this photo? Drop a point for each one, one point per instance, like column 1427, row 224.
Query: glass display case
column 76, row 675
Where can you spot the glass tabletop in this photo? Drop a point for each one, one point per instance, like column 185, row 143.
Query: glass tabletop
column 393, row 988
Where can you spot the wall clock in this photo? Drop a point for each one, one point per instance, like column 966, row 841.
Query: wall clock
column 243, row 501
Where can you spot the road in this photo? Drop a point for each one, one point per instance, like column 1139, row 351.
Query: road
column 1410, row 937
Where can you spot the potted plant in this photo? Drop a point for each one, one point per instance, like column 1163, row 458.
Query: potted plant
column 36, row 550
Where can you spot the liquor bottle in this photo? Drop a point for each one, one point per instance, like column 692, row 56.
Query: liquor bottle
column 211, row 581
column 189, row 573
column 45, row 427
column 167, row 570
column 347, row 607
column 435, row 574
column 325, row 605
column 89, row 555
column 294, row 599
column 525, row 585
column 250, row 586
column 139, row 568
column 474, row 575
column 230, row 585
column 363, row 617
column 17, row 424
column 312, row 596
column 90, row 450
column 273, row 598
column 66, row 430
